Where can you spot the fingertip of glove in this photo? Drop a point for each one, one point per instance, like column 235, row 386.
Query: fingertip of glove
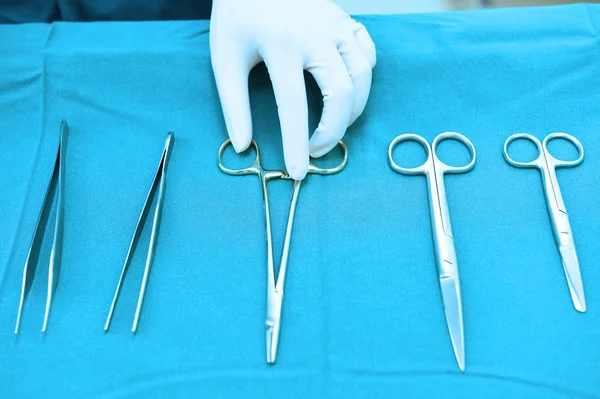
column 323, row 141
column 239, row 146
column 298, row 171
column 240, row 142
column 319, row 151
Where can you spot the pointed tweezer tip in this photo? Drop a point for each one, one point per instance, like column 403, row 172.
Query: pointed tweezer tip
column 134, row 327
column 170, row 139
column 18, row 324
column 45, row 320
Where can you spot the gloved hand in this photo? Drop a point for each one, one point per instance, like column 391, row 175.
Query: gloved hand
column 291, row 36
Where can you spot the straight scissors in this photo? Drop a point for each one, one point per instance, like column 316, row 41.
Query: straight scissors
column 547, row 165
column 275, row 289
column 447, row 266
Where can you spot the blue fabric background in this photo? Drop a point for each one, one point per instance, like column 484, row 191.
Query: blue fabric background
column 362, row 314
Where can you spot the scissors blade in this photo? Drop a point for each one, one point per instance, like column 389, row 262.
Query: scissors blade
column 568, row 257
column 275, row 300
column 453, row 310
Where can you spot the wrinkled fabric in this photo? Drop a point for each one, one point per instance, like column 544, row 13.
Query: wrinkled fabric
column 31, row 11
column 362, row 312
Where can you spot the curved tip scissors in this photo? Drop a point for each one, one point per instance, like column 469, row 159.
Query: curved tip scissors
column 275, row 289
column 547, row 165
column 446, row 261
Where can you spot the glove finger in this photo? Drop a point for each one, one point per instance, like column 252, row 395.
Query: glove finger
column 361, row 34
column 360, row 72
column 231, row 67
column 330, row 73
column 287, row 77
column 365, row 42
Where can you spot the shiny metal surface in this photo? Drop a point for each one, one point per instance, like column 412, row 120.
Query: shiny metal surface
column 446, row 261
column 159, row 182
column 55, row 187
column 557, row 211
column 275, row 288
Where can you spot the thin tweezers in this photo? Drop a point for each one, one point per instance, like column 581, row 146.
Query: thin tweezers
column 159, row 182
column 55, row 187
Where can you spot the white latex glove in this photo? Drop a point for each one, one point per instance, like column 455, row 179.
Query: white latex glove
column 291, row 36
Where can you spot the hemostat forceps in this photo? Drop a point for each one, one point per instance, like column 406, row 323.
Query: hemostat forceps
column 447, row 265
column 55, row 186
column 557, row 211
column 159, row 182
column 275, row 288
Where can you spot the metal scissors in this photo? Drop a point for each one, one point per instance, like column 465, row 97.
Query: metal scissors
column 55, row 187
column 275, row 288
column 557, row 211
column 447, row 266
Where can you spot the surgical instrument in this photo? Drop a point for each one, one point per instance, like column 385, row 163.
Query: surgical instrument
column 55, row 187
column 159, row 182
column 447, row 266
column 563, row 235
column 275, row 288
